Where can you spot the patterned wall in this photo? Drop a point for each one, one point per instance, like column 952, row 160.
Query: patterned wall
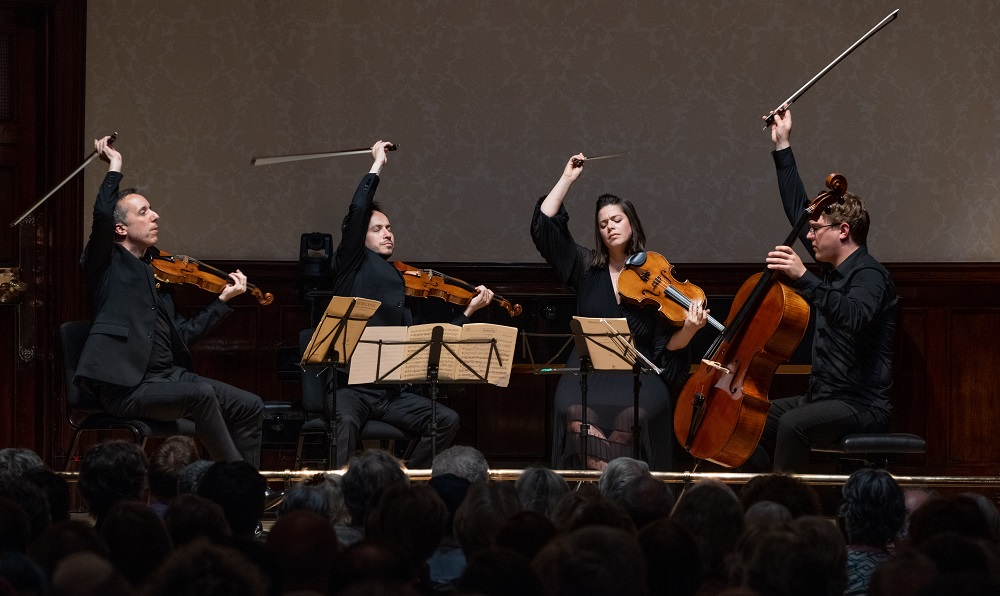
column 488, row 99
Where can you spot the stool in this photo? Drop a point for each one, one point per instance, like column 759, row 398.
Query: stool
column 874, row 449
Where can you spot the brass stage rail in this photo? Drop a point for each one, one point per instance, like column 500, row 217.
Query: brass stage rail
column 669, row 477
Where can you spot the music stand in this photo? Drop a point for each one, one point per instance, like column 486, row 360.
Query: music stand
column 407, row 366
column 603, row 345
column 331, row 346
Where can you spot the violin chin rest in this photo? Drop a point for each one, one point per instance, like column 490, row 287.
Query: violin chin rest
column 636, row 260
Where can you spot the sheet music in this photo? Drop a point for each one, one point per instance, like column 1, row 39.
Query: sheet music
column 608, row 352
column 334, row 328
column 416, row 368
column 477, row 355
column 366, row 366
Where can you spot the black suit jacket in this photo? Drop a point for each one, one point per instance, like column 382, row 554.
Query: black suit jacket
column 123, row 298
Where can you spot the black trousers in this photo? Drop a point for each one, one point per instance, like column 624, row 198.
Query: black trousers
column 357, row 404
column 794, row 426
column 227, row 420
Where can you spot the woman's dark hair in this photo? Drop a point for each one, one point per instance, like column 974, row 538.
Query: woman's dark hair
column 637, row 243
column 872, row 510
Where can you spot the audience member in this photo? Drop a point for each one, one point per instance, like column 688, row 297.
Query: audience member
column 165, row 467
column 333, row 486
column 989, row 510
column 63, row 539
column 190, row 476
column 958, row 514
column 592, row 560
column 305, row 497
column 672, row 558
column 619, row 472
column 805, row 557
column 15, row 461
column 31, row 500
column 567, row 507
column 112, row 471
column 86, row 573
column 713, row 515
column 872, row 512
column 367, row 561
column 482, row 513
column 764, row 514
column 913, row 498
column 790, row 491
column 903, row 575
column 205, row 569
column 137, row 541
column 56, row 491
column 411, row 517
column 539, row 489
column 462, row 461
column 525, row 532
column 305, row 545
column 646, row 500
column 22, row 574
column 368, row 474
column 190, row 517
column 15, row 527
column 238, row 488
column 500, row 572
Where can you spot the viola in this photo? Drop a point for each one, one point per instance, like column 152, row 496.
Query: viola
column 721, row 410
column 648, row 278
column 423, row 283
column 182, row 269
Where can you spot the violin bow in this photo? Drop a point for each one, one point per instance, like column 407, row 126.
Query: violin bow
column 263, row 161
column 769, row 119
column 579, row 162
column 92, row 157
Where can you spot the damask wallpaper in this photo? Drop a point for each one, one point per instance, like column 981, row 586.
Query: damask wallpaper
column 488, row 100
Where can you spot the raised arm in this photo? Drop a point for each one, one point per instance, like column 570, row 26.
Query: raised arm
column 97, row 254
column 554, row 200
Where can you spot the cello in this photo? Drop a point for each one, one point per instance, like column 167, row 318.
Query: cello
column 721, row 411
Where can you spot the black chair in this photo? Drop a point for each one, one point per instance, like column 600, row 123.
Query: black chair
column 874, row 449
column 85, row 412
column 314, row 389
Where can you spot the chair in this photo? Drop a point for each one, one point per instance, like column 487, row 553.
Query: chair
column 85, row 412
column 874, row 449
column 314, row 387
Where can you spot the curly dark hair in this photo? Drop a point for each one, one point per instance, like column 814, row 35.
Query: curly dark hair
column 800, row 498
column 872, row 510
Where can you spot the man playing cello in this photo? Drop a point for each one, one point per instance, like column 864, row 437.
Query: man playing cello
column 855, row 301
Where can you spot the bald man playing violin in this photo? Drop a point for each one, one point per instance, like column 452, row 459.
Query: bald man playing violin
column 136, row 360
column 363, row 270
column 854, row 300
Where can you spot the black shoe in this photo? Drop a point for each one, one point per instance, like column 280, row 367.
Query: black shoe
column 272, row 498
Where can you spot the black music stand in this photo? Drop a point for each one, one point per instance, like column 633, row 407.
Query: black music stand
column 603, row 345
column 405, row 365
column 331, row 346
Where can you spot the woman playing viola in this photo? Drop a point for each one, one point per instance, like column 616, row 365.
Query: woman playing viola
column 593, row 274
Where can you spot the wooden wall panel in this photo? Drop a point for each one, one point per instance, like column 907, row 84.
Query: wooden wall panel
column 971, row 396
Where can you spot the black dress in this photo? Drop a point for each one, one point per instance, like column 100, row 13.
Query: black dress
column 609, row 394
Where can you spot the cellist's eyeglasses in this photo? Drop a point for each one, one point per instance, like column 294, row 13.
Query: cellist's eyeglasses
column 815, row 229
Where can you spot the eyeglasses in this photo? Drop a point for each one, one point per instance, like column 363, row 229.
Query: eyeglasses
column 815, row 229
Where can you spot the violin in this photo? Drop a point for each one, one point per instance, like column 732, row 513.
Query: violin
column 721, row 411
column 182, row 269
column 423, row 283
column 648, row 279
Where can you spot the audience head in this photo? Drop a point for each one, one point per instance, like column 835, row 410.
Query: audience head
column 500, row 572
column 31, row 500
column 646, row 499
column 166, row 464
column 713, row 515
column 238, row 488
column 539, row 489
column 205, row 569
column 989, row 510
column 368, row 474
column 412, row 517
column 872, row 508
column 591, row 560
column 618, row 474
column 23, row 575
column 56, row 491
column 191, row 517
column 482, row 513
column 958, row 514
column 112, row 471
column 305, row 545
column 304, row 497
column 568, row 506
column 63, row 539
column 333, row 486
column 368, row 561
column 462, row 461
column 790, row 491
column 15, row 461
column 86, row 573
column 672, row 558
column 137, row 541
column 525, row 532
column 764, row 514
column 15, row 527
column 190, row 476
column 905, row 574
column 804, row 557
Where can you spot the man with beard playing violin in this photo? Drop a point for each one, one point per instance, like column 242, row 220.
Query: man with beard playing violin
column 136, row 361
column 855, row 302
column 363, row 270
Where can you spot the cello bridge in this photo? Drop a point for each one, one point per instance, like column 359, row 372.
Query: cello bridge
column 716, row 366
